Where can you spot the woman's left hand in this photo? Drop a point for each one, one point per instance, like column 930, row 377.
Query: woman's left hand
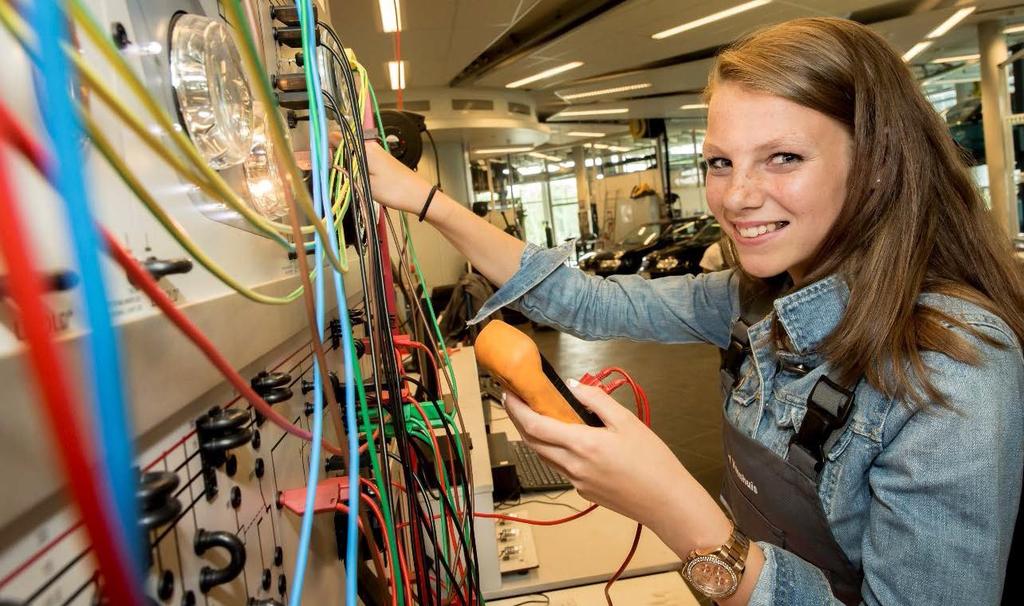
column 623, row 466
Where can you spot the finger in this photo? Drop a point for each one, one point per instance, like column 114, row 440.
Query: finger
column 334, row 138
column 603, row 405
column 542, row 428
column 556, row 457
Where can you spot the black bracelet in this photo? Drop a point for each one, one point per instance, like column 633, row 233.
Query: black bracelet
column 426, row 205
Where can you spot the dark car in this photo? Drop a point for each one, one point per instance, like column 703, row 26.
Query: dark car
column 684, row 256
column 625, row 257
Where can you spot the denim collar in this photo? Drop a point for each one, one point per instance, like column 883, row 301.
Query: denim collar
column 812, row 313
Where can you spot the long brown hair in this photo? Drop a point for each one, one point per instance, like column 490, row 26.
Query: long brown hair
column 913, row 220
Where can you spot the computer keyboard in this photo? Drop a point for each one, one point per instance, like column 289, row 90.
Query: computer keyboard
column 533, row 473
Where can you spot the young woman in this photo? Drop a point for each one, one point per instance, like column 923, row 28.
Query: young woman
column 874, row 422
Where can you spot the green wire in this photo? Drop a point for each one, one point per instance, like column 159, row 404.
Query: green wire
column 416, row 266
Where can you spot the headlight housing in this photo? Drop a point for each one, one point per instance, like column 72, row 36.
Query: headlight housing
column 266, row 187
column 212, row 92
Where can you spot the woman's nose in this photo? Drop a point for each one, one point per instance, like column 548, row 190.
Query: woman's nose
column 742, row 192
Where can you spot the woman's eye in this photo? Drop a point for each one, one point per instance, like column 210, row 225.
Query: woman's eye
column 784, row 158
column 718, row 163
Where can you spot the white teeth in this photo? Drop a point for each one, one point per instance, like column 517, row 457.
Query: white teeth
column 758, row 230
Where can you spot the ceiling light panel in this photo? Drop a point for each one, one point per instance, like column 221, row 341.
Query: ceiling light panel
column 916, row 50
column 502, row 150
column 957, row 59
column 396, row 72
column 390, row 16
column 694, row 106
column 591, row 112
column 950, row 23
column 1014, row 29
column 579, row 133
column 554, row 71
column 723, row 14
column 605, row 91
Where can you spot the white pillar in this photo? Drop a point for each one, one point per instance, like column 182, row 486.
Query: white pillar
column 995, row 102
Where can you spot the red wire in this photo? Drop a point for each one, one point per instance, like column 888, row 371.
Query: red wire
column 60, row 408
column 629, row 557
column 401, row 556
column 142, row 280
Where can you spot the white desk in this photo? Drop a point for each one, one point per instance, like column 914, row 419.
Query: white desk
column 581, row 552
column 665, row 589
column 584, row 551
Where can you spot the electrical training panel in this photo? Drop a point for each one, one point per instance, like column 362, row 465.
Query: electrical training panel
column 219, row 489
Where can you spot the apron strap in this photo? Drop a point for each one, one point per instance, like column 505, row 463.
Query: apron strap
column 733, row 356
column 828, row 408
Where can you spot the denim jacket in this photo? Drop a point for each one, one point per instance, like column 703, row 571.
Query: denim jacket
column 924, row 501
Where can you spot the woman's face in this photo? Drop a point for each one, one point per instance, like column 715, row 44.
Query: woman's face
column 776, row 177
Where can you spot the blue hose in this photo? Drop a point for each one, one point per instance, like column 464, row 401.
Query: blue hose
column 111, row 416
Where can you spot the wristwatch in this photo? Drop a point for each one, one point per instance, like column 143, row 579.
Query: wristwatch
column 716, row 573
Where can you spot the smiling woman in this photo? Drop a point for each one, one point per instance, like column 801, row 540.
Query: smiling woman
column 876, row 321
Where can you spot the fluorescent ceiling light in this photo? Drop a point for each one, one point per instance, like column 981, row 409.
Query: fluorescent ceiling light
column 593, row 112
column 544, row 156
column 915, row 50
column 396, row 69
column 605, row 91
column 502, row 150
column 694, row 106
column 390, row 16
column 950, row 23
column 619, row 148
column 729, row 12
column 1014, row 29
column 957, row 59
column 601, row 146
column 579, row 133
column 554, row 71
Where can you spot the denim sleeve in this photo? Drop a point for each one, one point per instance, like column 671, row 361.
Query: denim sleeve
column 945, row 490
column 677, row 309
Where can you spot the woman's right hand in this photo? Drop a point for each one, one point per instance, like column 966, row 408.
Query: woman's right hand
column 393, row 184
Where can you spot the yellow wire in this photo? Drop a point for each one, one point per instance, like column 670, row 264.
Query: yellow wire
column 258, row 75
column 95, row 33
column 103, row 145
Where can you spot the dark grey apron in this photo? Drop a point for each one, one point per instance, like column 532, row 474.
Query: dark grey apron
column 771, row 500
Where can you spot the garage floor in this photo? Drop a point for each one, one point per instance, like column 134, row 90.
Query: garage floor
column 681, row 382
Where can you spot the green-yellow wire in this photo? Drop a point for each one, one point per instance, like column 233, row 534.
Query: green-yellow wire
column 103, row 145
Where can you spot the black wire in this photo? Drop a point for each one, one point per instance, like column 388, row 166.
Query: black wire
column 461, row 479
column 437, row 160
column 389, row 361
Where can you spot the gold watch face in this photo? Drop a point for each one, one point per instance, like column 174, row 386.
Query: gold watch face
column 711, row 576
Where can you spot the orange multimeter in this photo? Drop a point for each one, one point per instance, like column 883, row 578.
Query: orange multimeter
column 513, row 358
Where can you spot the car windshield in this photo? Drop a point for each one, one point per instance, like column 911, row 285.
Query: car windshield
column 643, row 235
column 683, row 230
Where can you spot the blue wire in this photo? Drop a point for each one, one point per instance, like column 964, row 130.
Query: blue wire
column 352, row 536
column 318, row 145
column 111, row 416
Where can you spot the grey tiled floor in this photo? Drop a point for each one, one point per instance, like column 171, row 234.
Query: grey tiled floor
column 681, row 382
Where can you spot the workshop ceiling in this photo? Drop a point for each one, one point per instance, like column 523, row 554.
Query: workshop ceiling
column 491, row 43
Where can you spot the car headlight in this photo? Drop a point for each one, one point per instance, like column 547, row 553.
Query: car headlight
column 266, row 188
column 610, row 263
column 666, row 263
column 211, row 89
